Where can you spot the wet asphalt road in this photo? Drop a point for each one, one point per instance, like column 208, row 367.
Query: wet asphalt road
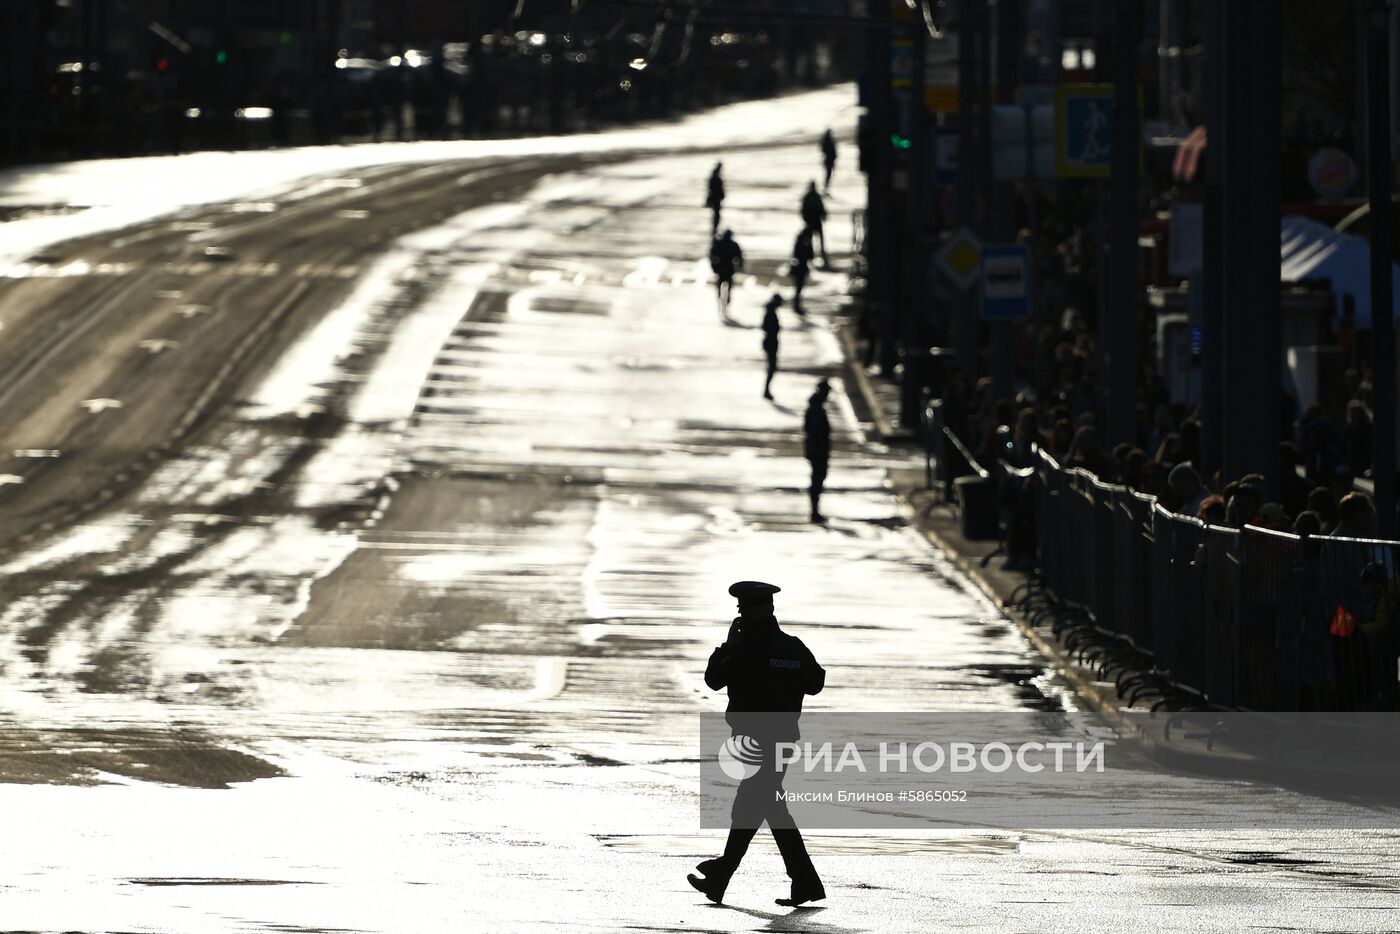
column 404, row 630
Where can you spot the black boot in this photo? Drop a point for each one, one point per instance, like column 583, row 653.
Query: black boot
column 712, row 887
column 712, row 867
column 809, row 890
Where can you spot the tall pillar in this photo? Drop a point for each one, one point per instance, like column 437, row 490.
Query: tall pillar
column 1122, row 304
column 968, row 168
column 1212, row 281
column 880, row 283
column 1379, row 169
column 1010, row 41
column 1253, row 327
column 914, row 323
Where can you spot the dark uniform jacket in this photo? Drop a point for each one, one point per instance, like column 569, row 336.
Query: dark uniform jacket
column 771, row 327
column 715, row 197
column 802, row 252
column 816, row 445
column 767, row 673
column 725, row 257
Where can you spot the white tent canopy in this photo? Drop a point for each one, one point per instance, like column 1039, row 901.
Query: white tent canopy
column 1311, row 251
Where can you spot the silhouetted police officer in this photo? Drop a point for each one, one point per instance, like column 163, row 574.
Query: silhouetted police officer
column 767, row 672
column 726, row 259
column 816, row 444
column 828, row 157
column 814, row 216
column 771, row 327
column 799, row 268
column 714, row 197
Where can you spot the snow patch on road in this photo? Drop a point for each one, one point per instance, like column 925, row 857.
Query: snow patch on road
column 300, row 375
column 391, row 391
column 106, row 535
column 118, row 193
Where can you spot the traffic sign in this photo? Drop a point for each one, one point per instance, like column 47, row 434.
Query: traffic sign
column 940, row 69
column 941, row 73
column 1005, row 282
column 961, row 258
column 1083, row 130
column 941, row 99
column 902, row 63
column 945, row 156
column 1185, row 233
column 1009, row 125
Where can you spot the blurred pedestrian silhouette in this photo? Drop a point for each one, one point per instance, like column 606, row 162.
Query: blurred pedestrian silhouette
column 828, row 157
column 767, row 673
column 816, row 445
column 714, row 199
column 799, row 268
column 814, row 216
column 725, row 259
column 771, row 327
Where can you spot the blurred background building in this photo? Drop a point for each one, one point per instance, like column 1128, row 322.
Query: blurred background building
column 114, row 77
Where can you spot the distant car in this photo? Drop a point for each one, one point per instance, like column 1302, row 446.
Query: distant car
column 218, row 254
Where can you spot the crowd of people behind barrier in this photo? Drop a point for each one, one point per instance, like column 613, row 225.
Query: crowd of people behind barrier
column 1268, row 604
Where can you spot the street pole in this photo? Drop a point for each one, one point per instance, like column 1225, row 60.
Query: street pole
column 986, row 178
column 1211, row 279
column 1253, row 330
column 1122, row 305
column 914, row 325
column 1009, row 42
column 1379, row 181
column 968, row 170
column 880, row 284
column 1101, row 303
column 21, row 50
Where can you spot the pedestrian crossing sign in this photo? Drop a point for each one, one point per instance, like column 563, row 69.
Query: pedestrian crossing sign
column 1083, row 130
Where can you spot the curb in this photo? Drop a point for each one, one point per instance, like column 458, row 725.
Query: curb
column 1099, row 698
column 886, row 429
column 1101, row 701
column 1086, row 689
column 1104, row 701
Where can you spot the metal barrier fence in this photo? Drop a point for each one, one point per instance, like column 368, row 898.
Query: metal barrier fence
column 1250, row 618
column 952, row 468
column 946, row 458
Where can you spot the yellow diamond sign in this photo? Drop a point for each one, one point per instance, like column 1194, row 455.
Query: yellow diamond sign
column 961, row 258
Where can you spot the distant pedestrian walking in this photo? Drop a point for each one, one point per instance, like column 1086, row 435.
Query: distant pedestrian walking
column 767, row 673
column 771, row 327
column 814, row 216
column 726, row 259
column 799, row 268
column 828, row 157
column 714, row 198
column 817, row 445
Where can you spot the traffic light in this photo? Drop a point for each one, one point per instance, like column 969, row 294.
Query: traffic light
column 161, row 62
column 900, row 142
column 221, row 57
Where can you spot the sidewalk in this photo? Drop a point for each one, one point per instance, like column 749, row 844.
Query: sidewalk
column 1167, row 739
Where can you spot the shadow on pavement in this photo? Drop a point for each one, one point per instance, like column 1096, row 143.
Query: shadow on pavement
column 804, row 918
